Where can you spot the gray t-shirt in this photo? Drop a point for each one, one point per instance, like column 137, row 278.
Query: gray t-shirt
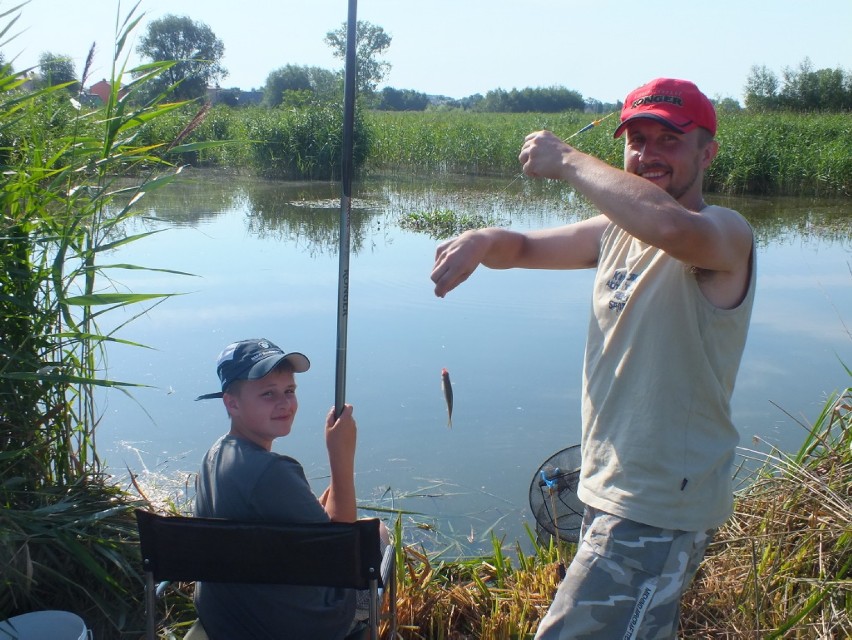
column 242, row 481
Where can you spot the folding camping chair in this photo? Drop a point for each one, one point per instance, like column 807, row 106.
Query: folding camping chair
column 333, row 554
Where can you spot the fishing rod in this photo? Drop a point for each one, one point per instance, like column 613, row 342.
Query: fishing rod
column 347, row 161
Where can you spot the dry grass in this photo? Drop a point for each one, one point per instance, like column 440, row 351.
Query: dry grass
column 485, row 598
column 778, row 569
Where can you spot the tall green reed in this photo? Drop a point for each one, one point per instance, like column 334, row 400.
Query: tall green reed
column 70, row 180
column 293, row 143
column 803, row 154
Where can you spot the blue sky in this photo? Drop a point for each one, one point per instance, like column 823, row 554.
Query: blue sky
column 601, row 49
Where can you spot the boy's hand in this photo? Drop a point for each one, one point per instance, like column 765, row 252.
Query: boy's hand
column 340, row 436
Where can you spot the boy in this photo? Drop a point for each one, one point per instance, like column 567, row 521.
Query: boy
column 241, row 478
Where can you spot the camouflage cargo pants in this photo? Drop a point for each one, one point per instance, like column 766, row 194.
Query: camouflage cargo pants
column 625, row 583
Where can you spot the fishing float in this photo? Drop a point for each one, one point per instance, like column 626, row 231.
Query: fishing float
column 591, row 125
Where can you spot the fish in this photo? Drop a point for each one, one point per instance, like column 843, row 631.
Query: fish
column 447, row 388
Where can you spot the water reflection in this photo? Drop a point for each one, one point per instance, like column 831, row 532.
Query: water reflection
column 512, row 340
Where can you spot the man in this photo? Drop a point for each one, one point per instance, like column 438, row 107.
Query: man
column 671, row 304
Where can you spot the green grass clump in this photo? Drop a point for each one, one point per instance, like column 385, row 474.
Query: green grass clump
column 444, row 223
column 298, row 143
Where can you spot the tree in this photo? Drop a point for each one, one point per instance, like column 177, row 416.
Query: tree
column 370, row 41
column 543, row 100
column 803, row 89
column 57, row 69
column 193, row 46
column 761, row 90
column 835, row 89
column 319, row 84
column 402, row 100
column 727, row 105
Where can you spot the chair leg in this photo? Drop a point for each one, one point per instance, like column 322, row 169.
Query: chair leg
column 392, row 606
column 388, row 571
column 374, row 610
column 150, row 607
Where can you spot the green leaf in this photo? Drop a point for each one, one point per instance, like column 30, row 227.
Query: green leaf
column 101, row 299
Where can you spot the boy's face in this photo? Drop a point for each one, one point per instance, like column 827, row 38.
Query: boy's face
column 262, row 410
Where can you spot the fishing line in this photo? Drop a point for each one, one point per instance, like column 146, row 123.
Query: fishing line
column 345, row 206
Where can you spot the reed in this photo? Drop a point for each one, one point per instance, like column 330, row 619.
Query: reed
column 64, row 526
column 290, row 143
column 782, row 566
column 468, row 142
column 782, row 154
column 801, row 154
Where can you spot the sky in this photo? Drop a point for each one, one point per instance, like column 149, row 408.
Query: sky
column 457, row 48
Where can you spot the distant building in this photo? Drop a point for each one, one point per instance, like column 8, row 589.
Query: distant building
column 103, row 89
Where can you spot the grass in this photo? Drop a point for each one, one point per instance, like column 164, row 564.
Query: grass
column 779, row 568
column 66, row 541
column 444, row 223
column 782, row 566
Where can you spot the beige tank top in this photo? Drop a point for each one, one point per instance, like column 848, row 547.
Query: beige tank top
column 658, row 441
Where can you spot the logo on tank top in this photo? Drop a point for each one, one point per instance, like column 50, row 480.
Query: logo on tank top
column 620, row 283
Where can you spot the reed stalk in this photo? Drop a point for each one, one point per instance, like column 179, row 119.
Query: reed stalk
column 66, row 199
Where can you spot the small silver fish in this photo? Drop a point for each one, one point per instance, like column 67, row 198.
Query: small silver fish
column 448, row 395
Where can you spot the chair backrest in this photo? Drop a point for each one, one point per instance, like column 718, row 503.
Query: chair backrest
column 333, row 554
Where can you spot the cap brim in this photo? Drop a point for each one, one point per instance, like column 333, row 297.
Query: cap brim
column 210, row 396
column 651, row 116
column 298, row 361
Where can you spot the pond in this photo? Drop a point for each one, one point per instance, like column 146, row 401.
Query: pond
column 265, row 261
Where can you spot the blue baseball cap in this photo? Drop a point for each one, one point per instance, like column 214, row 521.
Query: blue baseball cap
column 251, row 360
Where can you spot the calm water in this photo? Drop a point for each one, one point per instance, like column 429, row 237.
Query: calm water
column 265, row 259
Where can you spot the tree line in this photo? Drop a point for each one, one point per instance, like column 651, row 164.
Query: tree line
column 801, row 89
column 196, row 53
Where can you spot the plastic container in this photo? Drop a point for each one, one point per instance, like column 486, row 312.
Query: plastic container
column 45, row 625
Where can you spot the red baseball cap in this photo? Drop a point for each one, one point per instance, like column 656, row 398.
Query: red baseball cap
column 676, row 103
